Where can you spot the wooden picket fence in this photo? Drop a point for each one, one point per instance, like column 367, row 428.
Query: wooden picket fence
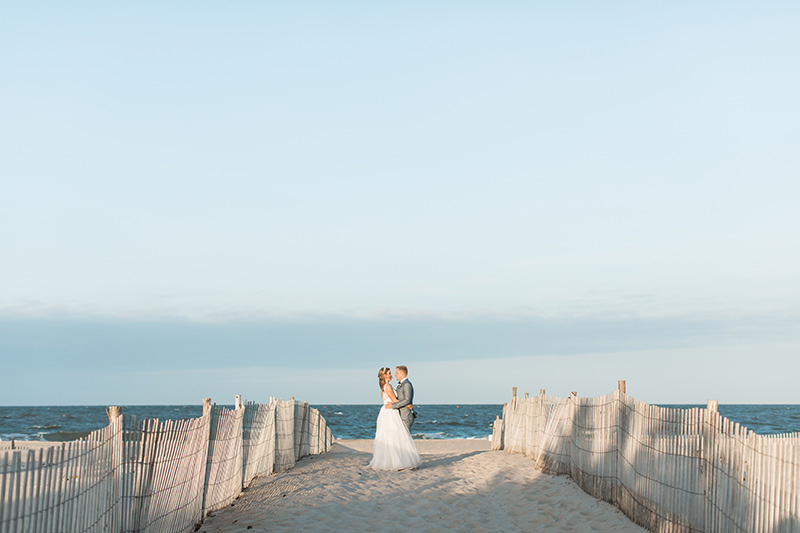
column 667, row 469
column 154, row 476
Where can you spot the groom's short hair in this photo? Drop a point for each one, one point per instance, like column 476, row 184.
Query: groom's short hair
column 403, row 369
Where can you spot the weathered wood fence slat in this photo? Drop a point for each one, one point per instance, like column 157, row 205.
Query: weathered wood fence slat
column 154, row 476
column 668, row 470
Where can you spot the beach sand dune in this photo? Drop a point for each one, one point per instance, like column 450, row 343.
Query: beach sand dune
column 460, row 486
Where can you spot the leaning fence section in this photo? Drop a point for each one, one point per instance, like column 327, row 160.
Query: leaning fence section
column 224, row 463
column 163, row 473
column 285, row 454
column 258, row 440
column 667, row 469
column 146, row 475
column 70, row 487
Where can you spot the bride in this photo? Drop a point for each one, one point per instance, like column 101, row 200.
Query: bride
column 394, row 448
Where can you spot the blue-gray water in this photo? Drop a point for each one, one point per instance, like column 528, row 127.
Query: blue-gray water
column 346, row 421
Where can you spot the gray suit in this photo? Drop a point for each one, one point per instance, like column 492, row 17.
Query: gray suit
column 405, row 396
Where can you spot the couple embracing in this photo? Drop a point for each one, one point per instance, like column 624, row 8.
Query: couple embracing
column 394, row 448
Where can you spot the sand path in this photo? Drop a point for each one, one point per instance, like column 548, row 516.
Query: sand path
column 460, row 486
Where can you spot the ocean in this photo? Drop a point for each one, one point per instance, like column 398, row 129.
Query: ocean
column 464, row 421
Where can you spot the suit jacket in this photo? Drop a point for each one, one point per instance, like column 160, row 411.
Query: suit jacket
column 405, row 396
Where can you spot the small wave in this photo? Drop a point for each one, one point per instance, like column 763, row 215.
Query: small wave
column 433, row 436
column 447, row 436
column 338, row 413
column 51, row 426
column 15, row 436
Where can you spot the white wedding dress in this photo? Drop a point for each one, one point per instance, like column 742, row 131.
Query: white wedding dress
column 394, row 448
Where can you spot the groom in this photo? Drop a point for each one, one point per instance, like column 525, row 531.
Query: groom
column 405, row 396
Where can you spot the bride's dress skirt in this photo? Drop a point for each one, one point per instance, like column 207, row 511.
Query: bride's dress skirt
column 394, row 448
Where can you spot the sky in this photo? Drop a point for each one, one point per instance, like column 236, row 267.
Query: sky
column 204, row 199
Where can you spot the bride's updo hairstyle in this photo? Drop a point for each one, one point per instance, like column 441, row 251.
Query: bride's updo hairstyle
column 382, row 377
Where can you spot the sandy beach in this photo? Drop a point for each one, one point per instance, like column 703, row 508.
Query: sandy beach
column 25, row 445
column 6, row 445
column 461, row 486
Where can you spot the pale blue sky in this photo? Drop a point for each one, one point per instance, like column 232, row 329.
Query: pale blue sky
column 209, row 199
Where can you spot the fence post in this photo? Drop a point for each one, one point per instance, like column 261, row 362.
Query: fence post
column 207, row 410
column 620, row 414
column 708, row 444
column 113, row 412
column 238, row 402
column 506, row 419
column 514, row 401
column 540, row 424
column 497, row 433
column 114, row 518
column 573, row 409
